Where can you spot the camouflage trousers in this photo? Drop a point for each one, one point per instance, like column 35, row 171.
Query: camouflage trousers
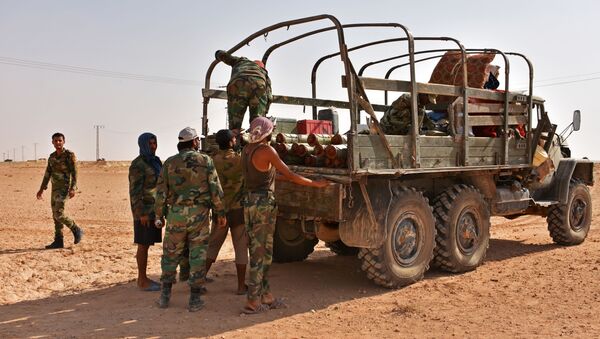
column 186, row 226
column 58, row 199
column 242, row 93
column 260, row 213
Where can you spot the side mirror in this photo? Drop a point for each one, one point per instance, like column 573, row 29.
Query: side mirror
column 576, row 120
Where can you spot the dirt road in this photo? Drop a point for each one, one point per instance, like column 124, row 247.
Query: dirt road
column 527, row 287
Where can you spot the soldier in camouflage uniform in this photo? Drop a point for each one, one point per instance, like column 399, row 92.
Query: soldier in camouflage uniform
column 259, row 164
column 143, row 174
column 248, row 87
column 189, row 186
column 229, row 168
column 62, row 169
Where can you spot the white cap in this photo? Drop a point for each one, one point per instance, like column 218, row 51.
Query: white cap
column 188, row 134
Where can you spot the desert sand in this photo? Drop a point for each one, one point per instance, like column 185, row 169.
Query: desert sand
column 528, row 286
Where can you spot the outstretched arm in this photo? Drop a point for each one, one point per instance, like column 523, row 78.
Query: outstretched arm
column 226, row 57
column 269, row 154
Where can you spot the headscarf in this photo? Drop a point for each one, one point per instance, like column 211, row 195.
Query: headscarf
column 146, row 153
column 259, row 129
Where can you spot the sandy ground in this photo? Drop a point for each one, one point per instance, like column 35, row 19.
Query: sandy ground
column 527, row 287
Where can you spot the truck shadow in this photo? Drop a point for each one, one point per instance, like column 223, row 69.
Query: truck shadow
column 316, row 284
column 502, row 249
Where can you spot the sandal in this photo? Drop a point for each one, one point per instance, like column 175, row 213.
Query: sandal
column 277, row 304
column 259, row 309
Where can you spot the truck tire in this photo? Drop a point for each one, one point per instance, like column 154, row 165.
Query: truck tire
column 339, row 248
column 407, row 250
column 569, row 223
column 462, row 222
column 290, row 243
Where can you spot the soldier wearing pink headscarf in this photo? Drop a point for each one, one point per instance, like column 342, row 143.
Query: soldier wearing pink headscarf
column 259, row 165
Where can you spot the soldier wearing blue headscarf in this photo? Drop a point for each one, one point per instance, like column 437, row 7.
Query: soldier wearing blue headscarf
column 143, row 175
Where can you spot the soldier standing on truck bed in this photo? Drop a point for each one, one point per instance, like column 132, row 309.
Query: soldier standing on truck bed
column 62, row 169
column 189, row 186
column 259, row 164
column 249, row 87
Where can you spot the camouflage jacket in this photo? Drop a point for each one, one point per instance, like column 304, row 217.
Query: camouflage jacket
column 229, row 168
column 187, row 179
column 142, row 188
column 62, row 169
column 243, row 67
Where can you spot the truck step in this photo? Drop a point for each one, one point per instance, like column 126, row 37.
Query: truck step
column 545, row 203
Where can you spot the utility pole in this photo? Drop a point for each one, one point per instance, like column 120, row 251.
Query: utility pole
column 23, row 153
column 35, row 151
column 98, row 127
column 14, row 154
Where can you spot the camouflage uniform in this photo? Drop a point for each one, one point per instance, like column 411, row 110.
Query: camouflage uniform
column 248, row 87
column 397, row 119
column 142, row 195
column 189, row 186
column 260, row 214
column 62, row 169
column 142, row 188
column 229, row 168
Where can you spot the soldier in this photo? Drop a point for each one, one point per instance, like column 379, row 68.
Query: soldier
column 62, row 169
column 143, row 174
column 229, row 168
column 189, row 186
column 248, row 87
column 259, row 162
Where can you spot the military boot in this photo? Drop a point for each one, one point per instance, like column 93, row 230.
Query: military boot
column 57, row 243
column 165, row 295
column 196, row 302
column 77, row 234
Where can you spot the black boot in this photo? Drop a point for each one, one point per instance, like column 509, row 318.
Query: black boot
column 165, row 295
column 196, row 302
column 57, row 243
column 77, row 234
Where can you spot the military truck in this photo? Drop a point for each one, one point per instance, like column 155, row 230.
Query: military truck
column 406, row 202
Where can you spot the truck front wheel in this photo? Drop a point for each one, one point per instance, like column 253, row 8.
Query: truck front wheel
column 463, row 229
column 290, row 243
column 569, row 223
column 407, row 250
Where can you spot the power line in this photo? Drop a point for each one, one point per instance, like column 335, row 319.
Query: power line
column 567, row 77
column 567, row 82
column 96, row 72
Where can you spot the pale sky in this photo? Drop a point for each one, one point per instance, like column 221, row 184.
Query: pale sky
column 137, row 66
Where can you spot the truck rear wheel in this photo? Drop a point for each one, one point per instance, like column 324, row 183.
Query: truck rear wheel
column 290, row 243
column 338, row 247
column 408, row 248
column 569, row 223
column 463, row 229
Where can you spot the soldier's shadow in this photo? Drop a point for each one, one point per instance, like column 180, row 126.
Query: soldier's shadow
column 21, row 250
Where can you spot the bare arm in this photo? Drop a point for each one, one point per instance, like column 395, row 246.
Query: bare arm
column 267, row 155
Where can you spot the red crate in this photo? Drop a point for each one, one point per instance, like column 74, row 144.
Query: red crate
column 314, row 126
